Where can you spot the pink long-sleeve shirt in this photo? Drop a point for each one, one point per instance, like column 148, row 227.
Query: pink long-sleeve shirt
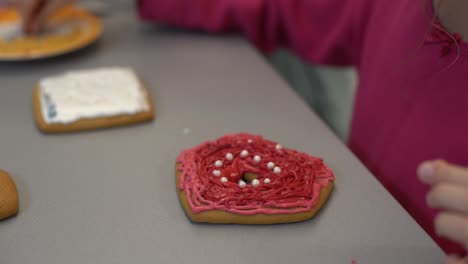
column 412, row 100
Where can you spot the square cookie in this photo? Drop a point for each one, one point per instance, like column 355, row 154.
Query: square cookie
column 91, row 99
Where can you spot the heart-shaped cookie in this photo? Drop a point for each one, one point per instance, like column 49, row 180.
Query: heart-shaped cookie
column 8, row 196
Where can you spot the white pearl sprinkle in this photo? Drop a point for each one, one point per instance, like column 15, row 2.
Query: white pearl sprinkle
column 255, row 183
column 270, row 165
column 277, row 170
column 267, row 180
column 218, row 163
column 224, row 179
column 249, row 141
column 229, row 156
column 279, row 147
column 242, row 183
column 257, row 158
column 217, row 173
column 244, row 153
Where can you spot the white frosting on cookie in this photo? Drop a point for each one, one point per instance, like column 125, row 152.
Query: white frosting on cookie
column 10, row 30
column 101, row 92
column 244, row 153
column 277, row 170
column 242, row 183
column 270, row 165
column 13, row 30
column 257, row 158
column 255, row 183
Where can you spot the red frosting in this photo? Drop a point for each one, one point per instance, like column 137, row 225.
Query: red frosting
column 296, row 188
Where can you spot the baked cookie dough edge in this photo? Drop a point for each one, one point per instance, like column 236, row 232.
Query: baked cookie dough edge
column 90, row 123
column 224, row 217
column 10, row 203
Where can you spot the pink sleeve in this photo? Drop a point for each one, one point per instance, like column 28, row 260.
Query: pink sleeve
column 320, row 31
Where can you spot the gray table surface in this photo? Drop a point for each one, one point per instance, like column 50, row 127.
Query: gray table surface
column 109, row 196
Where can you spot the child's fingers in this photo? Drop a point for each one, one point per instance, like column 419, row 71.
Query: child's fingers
column 449, row 196
column 453, row 260
column 43, row 14
column 6, row 3
column 452, row 226
column 44, row 10
column 29, row 10
column 456, row 260
column 433, row 172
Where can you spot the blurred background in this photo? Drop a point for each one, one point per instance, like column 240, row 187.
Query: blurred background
column 329, row 91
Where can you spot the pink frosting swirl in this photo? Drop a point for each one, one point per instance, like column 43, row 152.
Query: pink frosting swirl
column 293, row 188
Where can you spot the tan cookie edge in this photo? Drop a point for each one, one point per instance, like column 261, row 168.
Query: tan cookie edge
column 9, row 201
column 90, row 123
column 223, row 217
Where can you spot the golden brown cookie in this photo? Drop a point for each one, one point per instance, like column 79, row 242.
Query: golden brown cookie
column 245, row 179
column 73, row 29
column 8, row 196
column 90, row 123
column 223, row 217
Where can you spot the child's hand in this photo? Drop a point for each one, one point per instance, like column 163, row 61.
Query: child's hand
column 456, row 260
column 36, row 12
column 450, row 193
